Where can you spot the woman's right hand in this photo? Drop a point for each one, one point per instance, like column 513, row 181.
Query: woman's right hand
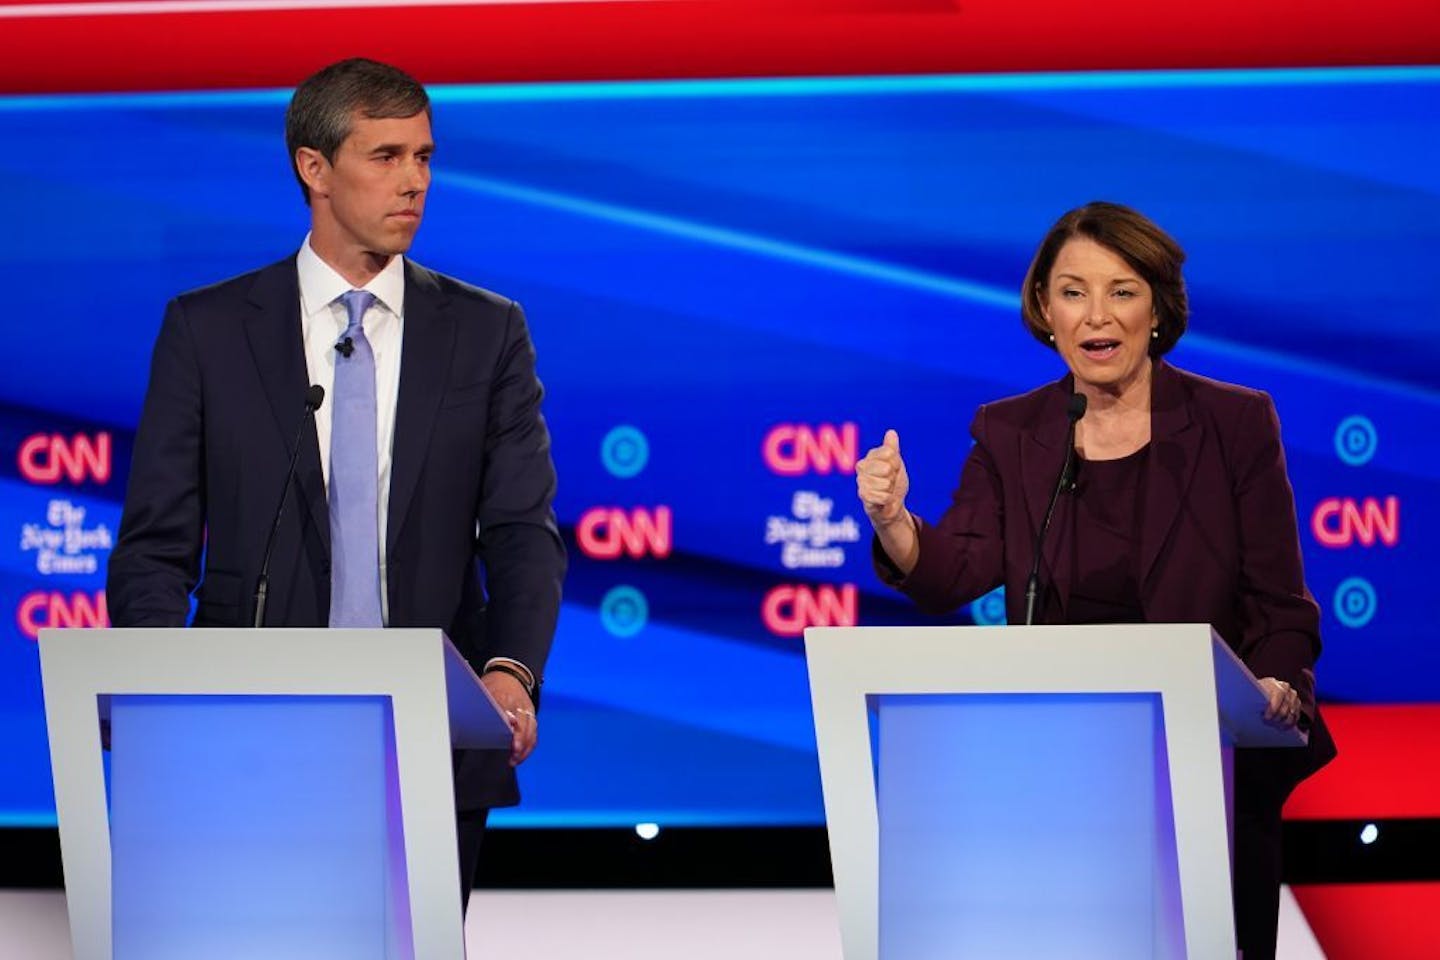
column 883, row 483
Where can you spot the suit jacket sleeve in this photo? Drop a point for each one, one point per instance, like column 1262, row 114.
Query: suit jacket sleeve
column 518, row 539
column 963, row 557
column 1282, row 620
column 156, row 560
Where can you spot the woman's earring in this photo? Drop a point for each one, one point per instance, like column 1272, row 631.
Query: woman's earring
column 1052, row 338
column 1154, row 333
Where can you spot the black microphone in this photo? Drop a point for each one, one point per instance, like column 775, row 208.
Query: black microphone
column 313, row 398
column 1075, row 409
column 346, row 347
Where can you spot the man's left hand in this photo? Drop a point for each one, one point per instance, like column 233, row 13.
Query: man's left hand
column 519, row 711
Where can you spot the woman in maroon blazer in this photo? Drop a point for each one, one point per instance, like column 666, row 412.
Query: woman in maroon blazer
column 1180, row 510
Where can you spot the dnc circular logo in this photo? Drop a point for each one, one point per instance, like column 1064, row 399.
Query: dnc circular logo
column 624, row 611
column 624, row 451
column 1355, row 440
column 989, row 610
column 1355, row 602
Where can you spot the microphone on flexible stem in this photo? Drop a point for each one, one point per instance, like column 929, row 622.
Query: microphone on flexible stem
column 1075, row 409
column 313, row 398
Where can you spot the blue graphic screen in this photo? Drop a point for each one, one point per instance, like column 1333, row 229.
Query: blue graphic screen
column 734, row 289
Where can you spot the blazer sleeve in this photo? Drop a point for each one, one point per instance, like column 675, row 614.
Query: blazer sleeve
column 518, row 539
column 1281, row 619
column 156, row 560
column 962, row 557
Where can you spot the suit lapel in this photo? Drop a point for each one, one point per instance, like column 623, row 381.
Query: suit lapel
column 429, row 339
column 1042, row 454
column 1174, row 454
column 278, row 346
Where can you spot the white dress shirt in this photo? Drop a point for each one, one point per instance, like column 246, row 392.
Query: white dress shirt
column 322, row 321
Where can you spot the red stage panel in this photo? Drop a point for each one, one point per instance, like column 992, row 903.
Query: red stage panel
column 79, row 47
column 1389, row 767
column 1374, row 921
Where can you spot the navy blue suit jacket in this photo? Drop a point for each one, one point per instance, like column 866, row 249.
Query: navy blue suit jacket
column 472, row 545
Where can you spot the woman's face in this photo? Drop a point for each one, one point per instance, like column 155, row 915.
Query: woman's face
column 1101, row 313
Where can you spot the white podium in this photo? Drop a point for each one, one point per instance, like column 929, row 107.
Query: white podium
column 1009, row 792
column 279, row 793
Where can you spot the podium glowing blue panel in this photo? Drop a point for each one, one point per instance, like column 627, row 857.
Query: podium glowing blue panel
column 1022, row 826
column 266, row 826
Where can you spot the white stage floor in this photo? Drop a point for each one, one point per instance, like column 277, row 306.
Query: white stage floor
column 624, row 925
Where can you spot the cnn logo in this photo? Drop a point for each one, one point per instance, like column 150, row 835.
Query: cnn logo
column 42, row 609
column 793, row 449
column 48, row 458
column 1340, row 521
column 789, row 608
column 605, row 533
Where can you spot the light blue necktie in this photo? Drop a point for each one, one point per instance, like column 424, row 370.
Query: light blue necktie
column 354, row 477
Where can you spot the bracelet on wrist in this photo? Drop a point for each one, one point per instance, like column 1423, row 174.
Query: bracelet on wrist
column 506, row 668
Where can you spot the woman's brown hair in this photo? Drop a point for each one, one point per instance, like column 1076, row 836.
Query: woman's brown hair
column 1132, row 236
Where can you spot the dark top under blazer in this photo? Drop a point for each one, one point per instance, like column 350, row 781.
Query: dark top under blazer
column 1218, row 540
column 472, row 545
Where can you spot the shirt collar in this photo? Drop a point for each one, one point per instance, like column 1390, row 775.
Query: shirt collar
column 320, row 284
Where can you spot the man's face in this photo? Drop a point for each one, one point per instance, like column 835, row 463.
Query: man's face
column 373, row 194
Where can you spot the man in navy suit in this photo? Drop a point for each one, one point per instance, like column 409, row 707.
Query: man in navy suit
column 457, row 532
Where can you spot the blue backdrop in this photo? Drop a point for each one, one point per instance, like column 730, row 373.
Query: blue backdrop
column 735, row 287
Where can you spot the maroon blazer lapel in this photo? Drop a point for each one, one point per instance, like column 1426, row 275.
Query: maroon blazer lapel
column 1042, row 455
column 1175, row 440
